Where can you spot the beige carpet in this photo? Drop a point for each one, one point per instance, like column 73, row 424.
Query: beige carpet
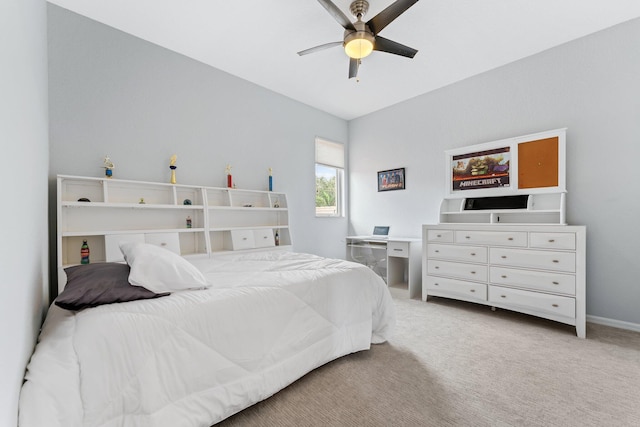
column 453, row 363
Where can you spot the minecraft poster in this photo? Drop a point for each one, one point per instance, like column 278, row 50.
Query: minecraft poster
column 482, row 169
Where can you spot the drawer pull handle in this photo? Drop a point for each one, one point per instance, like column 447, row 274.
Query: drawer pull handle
column 503, row 296
column 467, row 237
column 244, row 238
column 510, row 238
column 163, row 244
column 436, row 267
column 473, row 254
column 556, row 261
column 397, row 250
column 554, row 305
column 265, row 237
column 438, row 235
column 555, row 283
column 473, row 290
column 503, row 257
column 551, row 240
column 437, row 284
column 473, row 272
column 504, row 276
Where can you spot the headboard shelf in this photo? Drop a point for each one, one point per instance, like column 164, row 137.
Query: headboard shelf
column 138, row 205
column 191, row 220
column 257, row 227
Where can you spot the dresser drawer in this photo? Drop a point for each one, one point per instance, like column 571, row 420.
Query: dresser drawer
column 454, row 269
column 537, row 280
column 553, row 240
column 458, row 253
column 459, row 288
column 242, row 239
column 547, row 260
column 445, row 236
column 501, row 238
column 398, row 249
column 552, row 304
column 263, row 238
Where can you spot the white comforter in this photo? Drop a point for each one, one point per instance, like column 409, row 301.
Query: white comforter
column 196, row 357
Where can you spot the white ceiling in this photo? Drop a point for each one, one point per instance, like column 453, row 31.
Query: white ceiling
column 257, row 40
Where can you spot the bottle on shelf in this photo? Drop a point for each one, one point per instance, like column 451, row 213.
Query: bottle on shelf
column 84, row 253
column 188, row 222
column 277, row 238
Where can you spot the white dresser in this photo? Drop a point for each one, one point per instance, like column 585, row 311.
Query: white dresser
column 533, row 269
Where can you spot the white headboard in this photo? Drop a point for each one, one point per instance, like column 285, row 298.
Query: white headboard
column 190, row 220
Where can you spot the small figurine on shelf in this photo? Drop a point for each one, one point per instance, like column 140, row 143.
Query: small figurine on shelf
column 270, row 179
column 84, row 253
column 276, row 203
column 229, row 177
column 141, row 202
column 108, row 167
column 188, row 222
column 172, row 166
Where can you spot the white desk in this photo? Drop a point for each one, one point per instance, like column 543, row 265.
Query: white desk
column 403, row 259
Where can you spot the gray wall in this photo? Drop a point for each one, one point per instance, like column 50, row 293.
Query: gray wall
column 112, row 93
column 591, row 86
column 23, row 173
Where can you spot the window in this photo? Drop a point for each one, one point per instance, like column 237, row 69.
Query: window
column 329, row 178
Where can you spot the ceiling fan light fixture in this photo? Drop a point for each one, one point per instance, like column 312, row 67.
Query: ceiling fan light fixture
column 358, row 44
column 361, row 38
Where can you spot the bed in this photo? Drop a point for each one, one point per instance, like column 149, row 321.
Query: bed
column 196, row 357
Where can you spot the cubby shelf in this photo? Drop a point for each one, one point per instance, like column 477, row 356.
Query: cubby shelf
column 542, row 208
column 258, row 227
column 103, row 232
column 218, row 216
column 127, row 205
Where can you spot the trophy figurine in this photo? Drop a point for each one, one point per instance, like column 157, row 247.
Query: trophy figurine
column 229, row 177
column 172, row 166
column 108, row 167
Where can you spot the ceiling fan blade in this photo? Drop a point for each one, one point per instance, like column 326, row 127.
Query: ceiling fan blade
column 384, row 18
column 337, row 14
column 385, row 45
column 319, row 48
column 353, row 67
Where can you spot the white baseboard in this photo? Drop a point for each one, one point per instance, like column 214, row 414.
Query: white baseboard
column 615, row 323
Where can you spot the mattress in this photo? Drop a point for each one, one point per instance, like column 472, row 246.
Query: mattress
column 196, row 357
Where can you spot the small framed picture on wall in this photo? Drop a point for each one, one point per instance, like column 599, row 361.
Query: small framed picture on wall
column 393, row 179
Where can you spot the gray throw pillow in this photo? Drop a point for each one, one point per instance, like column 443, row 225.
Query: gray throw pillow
column 92, row 285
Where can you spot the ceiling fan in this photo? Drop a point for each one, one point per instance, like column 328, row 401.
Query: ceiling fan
column 361, row 38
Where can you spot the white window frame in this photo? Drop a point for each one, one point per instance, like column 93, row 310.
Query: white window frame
column 331, row 154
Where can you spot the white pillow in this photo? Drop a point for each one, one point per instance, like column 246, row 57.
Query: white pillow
column 160, row 270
